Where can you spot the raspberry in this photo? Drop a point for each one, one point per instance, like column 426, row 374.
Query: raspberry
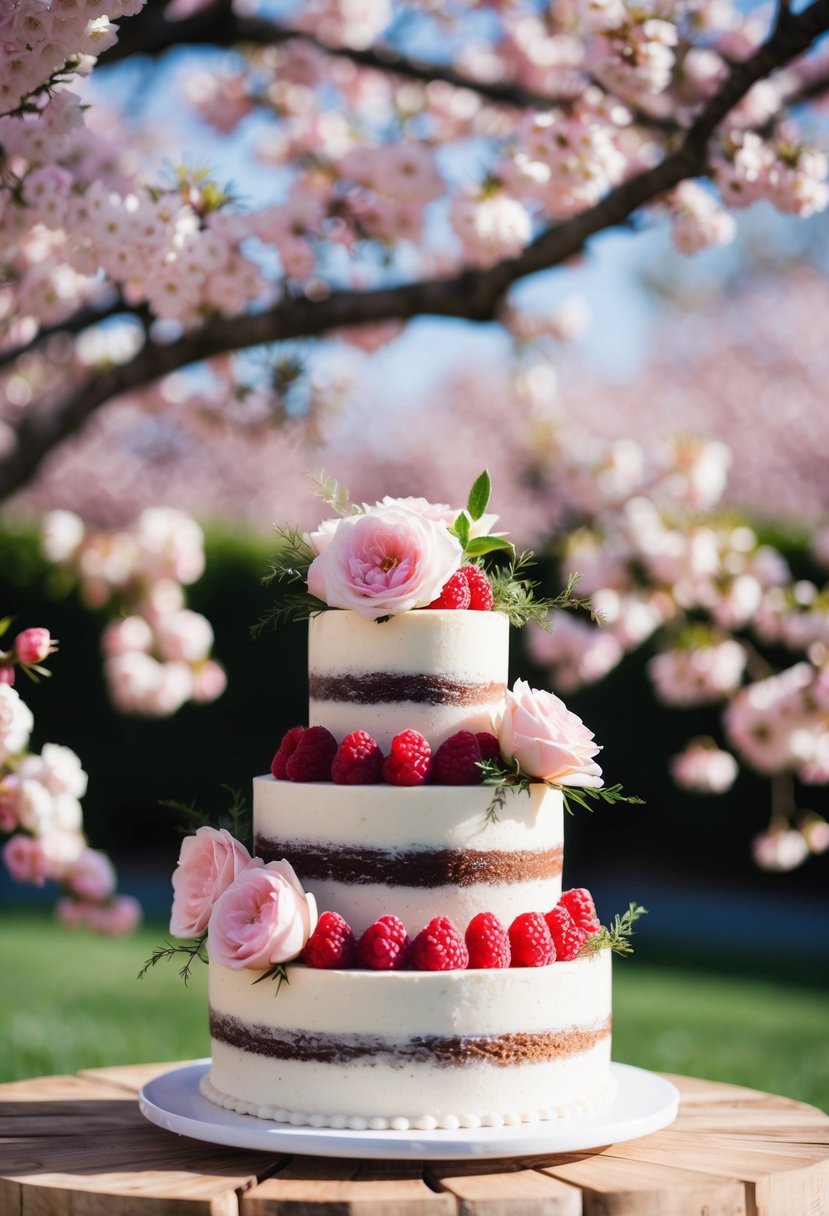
column 312, row 756
column 456, row 760
column 455, row 593
column 285, row 750
column 439, row 947
column 410, row 759
column 384, row 946
column 566, row 934
column 358, row 761
column 331, row 944
column 487, row 941
column 480, row 588
column 489, row 745
column 530, row 941
column 579, row 903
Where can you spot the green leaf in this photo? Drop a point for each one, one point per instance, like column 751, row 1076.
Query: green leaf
column 479, row 545
column 5, row 625
column 478, row 500
column 332, row 493
column 461, row 529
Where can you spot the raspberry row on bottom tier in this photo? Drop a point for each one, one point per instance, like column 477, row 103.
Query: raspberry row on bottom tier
column 412, row 1050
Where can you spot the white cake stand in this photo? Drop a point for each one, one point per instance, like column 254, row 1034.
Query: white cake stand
column 644, row 1103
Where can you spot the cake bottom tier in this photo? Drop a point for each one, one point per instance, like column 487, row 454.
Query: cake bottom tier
column 364, row 1049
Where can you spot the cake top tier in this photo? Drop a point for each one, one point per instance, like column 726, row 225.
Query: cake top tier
column 434, row 671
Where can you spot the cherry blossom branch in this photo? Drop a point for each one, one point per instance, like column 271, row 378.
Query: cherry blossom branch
column 151, row 34
column 474, row 295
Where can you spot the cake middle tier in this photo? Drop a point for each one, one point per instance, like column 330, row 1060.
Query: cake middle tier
column 434, row 671
column 365, row 851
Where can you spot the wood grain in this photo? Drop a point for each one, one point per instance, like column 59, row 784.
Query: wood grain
column 79, row 1146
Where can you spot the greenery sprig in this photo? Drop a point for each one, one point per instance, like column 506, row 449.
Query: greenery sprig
column 617, row 936
column 289, row 567
column 191, row 950
column 278, row 973
column 515, row 594
column 505, row 777
column 235, row 818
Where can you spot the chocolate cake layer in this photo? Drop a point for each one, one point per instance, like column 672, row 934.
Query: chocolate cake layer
column 503, row 1050
column 378, row 687
column 416, row 868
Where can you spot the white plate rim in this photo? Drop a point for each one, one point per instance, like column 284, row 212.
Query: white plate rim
column 645, row 1102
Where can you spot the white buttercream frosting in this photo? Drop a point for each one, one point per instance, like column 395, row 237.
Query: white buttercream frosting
column 336, row 821
column 404, row 1011
column 469, row 650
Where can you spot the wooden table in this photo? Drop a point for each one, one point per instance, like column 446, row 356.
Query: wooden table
column 78, row 1146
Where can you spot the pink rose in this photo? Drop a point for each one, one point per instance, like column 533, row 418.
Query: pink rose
column 208, row 863
column 263, row 918
column 384, row 562
column 547, row 740
column 32, row 646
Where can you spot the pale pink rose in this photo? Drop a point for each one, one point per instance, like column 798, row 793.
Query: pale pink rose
column 384, row 562
column 7, row 675
column 263, row 918
column 92, row 876
column 440, row 512
column 208, row 863
column 32, row 646
column 547, row 739
column 26, row 860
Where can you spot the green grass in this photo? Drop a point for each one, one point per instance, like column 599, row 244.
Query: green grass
column 70, row 1001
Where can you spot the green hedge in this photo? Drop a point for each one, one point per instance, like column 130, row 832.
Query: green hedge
column 134, row 764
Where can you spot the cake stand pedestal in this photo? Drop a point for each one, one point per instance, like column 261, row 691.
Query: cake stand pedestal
column 79, row 1146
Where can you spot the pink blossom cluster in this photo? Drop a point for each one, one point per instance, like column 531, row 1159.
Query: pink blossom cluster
column 40, row 39
column 40, row 811
column 157, row 651
column 787, row 172
column 658, row 562
column 697, row 220
column 254, row 915
column 360, row 153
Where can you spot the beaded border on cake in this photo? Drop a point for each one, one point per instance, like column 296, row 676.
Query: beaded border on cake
column 400, row 1123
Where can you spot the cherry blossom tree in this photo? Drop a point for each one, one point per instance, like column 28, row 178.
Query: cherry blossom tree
column 570, row 120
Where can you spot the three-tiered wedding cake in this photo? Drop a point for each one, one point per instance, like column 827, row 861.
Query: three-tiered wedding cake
column 448, row 983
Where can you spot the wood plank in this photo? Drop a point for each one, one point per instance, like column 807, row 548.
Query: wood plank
column 55, row 1089
column 693, row 1090
column 720, row 1153
column 612, row 1187
column 801, row 1192
column 523, row 1191
column 131, row 1077
column 347, row 1188
column 147, row 1167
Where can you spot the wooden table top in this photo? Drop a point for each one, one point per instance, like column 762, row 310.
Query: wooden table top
column 79, row 1146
